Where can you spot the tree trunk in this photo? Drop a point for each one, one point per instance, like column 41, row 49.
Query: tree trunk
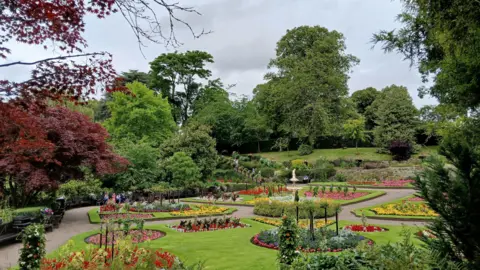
column 258, row 145
column 312, row 229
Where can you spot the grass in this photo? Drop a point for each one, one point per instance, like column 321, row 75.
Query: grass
column 371, row 214
column 409, row 185
column 245, row 198
column 332, row 154
column 28, row 209
column 95, row 217
column 230, row 249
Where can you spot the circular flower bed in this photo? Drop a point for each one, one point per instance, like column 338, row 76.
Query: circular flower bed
column 325, row 240
column 158, row 206
column 361, row 228
column 405, row 208
column 426, row 233
column 202, row 210
column 123, row 216
column 303, row 223
column 209, row 225
column 138, row 236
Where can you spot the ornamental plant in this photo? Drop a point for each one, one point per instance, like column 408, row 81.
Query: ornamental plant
column 288, row 241
column 33, row 239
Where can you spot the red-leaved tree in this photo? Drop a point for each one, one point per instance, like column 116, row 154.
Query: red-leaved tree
column 39, row 152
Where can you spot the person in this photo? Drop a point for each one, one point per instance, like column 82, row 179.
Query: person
column 105, row 198
column 305, row 179
column 117, row 199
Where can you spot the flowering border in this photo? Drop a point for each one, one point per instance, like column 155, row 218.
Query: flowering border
column 162, row 234
column 175, row 227
column 366, row 230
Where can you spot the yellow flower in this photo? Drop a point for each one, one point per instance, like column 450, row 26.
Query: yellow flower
column 201, row 211
column 405, row 209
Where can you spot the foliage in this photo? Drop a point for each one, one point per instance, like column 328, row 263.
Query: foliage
column 287, row 240
column 170, row 70
column 33, row 240
column 180, row 170
column 396, row 116
column 316, row 60
column 143, row 171
column 267, row 172
column 134, row 75
column 276, row 208
column 77, row 188
column 405, row 209
column 452, row 189
column 441, row 37
column 400, row 150
column 363, row 99
column 140, row 116
column 42, row 151
column 305, row 149
column 354, row 129
column 195, row 141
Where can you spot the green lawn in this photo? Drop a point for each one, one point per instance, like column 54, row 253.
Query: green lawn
column 95, row 217
column 230, row 249
column 245, row 198
column 358, row 186
column 332, row 154
column 371, row 214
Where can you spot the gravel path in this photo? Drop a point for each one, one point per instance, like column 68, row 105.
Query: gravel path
column 76, row 221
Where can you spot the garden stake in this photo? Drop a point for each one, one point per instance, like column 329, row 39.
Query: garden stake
column 101, row 229
column 113, row 241
column 325, row 216
column 336, row 220
column 106, row 240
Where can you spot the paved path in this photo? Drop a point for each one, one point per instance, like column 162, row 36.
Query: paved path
column 76, row 221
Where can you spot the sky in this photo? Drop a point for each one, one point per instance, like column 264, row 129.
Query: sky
column 243, row 39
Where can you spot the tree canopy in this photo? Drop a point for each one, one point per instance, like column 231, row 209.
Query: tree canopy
column 140, row 116
column 303, row 95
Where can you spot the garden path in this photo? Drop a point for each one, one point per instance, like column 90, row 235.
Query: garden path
column 76, row 221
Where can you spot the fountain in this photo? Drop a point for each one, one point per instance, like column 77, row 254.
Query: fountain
column 294, row 179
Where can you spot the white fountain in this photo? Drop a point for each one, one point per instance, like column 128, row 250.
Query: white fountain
column 294, row 180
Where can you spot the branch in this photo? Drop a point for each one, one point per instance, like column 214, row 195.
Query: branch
column 50, row 59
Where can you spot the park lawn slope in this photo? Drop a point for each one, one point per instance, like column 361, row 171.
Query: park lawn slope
column 371, row 214
column 366, row 153
column 94, row 217
column 232, row 249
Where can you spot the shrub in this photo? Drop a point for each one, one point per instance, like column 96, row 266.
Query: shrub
column 298, row 164
column 249, row 164
column 400, row 150
column 33, row 239
column 340, row 178
column 305, row 149
column 287, row 164
column 375, row 165
column 288, row 240
column 267, row 172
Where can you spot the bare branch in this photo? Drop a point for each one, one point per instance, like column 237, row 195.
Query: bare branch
column 49, row 59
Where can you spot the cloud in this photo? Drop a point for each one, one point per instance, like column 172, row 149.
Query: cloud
column 245, row 33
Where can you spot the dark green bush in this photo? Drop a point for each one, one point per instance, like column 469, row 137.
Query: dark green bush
column 305, row 149
column 267, row 172
column 249, row 164
column 287, row 164
column 227, row 175
column 277, row 209
column 340, row 178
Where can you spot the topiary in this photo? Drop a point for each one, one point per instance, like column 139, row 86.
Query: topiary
column 33, row 239
column 288, row 241
column 305, row 149
column 400, row 150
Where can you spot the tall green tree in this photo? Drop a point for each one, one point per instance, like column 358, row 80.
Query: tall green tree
column 436, row 119
column 134, row 75
column 397, row 117
column 195, row 141
column 452, row 189
column 362, row 100
column 170, row 70
column 442, row 38
column 140, row 116
column 302, row 97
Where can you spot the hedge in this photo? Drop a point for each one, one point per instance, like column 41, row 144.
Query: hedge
column 278, row 209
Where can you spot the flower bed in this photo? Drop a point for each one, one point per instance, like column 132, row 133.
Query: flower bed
column 200, row 211
column 325, row 240
column 362, row 183
column 137, row 258
column 262, row 199
column 138, row 236
column 385, row 183
column 367, row 228
column 158, row 207
column 124, row 215
column 405, row 209
column 261, row 191
column 338, row 195
column 209, row 225
column 303, row 223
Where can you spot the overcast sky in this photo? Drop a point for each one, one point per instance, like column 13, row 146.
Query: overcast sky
column 244, row 35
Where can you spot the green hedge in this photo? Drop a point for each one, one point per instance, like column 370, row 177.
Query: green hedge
column 277, row 209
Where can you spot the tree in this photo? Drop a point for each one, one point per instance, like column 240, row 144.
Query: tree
column 302, row 98
column 40, row 152
column 435, row 120
column 172, row 69
column 62, row 24
column 396, row 117
column 195, row 141
column 441, row 37
column 140, row 116
column 255, row 126
column 134, row 75
column 363, row 99
column 354, row 129
column 453, row 191
column 181, row 171
column 143, row 171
